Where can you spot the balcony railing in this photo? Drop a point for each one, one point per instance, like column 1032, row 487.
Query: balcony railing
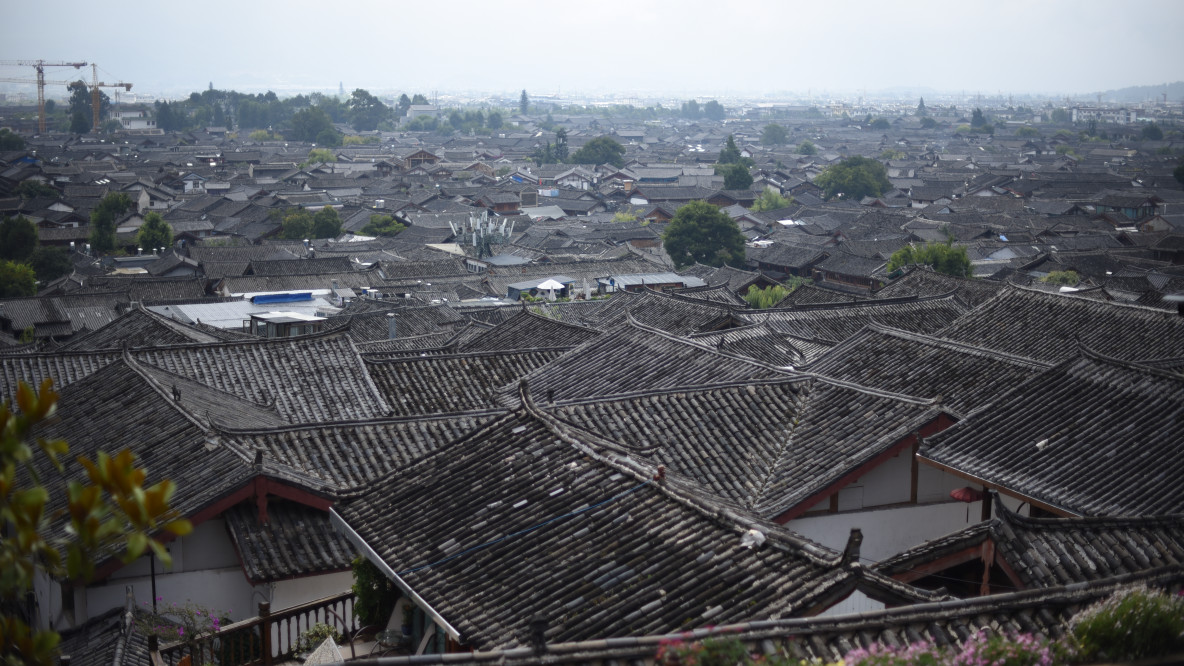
column 266, row 639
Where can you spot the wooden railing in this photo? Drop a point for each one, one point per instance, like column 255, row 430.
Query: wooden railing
column 265, row 639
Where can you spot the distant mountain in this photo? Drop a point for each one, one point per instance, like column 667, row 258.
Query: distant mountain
column 1136, row 94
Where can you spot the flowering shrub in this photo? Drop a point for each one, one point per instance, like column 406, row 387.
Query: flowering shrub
column 982, row 649
column 722, row 651
column 1133, row 623
column 189, row 622
column 316, row 634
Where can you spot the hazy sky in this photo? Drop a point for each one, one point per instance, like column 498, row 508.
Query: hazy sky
column 631, row 48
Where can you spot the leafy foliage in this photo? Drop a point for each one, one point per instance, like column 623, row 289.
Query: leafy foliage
column 980, row 649
column 320, row 156
column 880, row 124
column 1027, row 132
column 767, row 297
column 326, row 223
column 928, row 123
column 309, row 123
column 32, row 189
column 189, row 623
column 854, row 178
column 103, row 219
column 1061, row 277
column 942, row 257
column 16, row 280
column 376, row 594
column 10, row 140
column 366, row 111
column 110, row 509
column 382, row 225
column 774, row 135
column 1134, row 623
column 314, row 636
column 154, row 233
column 807, row 148
column 18, row 238
column 713, row 110
column 729, row 154
column 736, row 177
column 601, row 150
column 704, row 234
column 50, row 263
column 977, row 119
column 770, row 200
column 1152, row 132
column 523, row 103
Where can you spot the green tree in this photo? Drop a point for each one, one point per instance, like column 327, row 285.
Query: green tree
column 713, row 110
column 154, row 233
column 928, row 123
column 366, row 111
column 977, row 119
column 17, row 280
column 807, row 147
column 921, row 110
column 329, row 137
column 1061, row 277
column 296, row 224
column 729, row 154
column 326, row 223
column 704, row 234
column 880, row 124
column 108, row 507
column 310, row 122
column 18, row 238
column 774, row 135
column 891, row 154
column 1027, row 132
column 79, row 123
column 321, row 156
column 494, row 121
column 420, row 100
column 1152, row 132
column 854, row 178
column 382, row 225
column 103, row 219
column 942, row 257
column 690, row 109
column 1060, row 116
column 1178, row 173
column 561, row 151
column 770, row 200
column 403, row 105
column 523, row 102
column 767, row 297
column 736, row 177
column 50, row 263
column 10, row 140
column 601, row 150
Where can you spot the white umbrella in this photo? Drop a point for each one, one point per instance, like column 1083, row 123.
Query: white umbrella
column 551, row 286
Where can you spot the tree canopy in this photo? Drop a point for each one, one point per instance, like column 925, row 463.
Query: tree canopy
column 601, row 150
column 921, row 110
column 50, row 263
column 736, row 177
column 154, row 233
column 17, row 280
column 713, row 110
column 382, row 225
column 523, row 102
column 770, row 200
column 10, row 140
column 326, row 223
column 366, row 111
column 729, row 154
column 807, row 147
column 704, row 234
column 774, row 135
column 854, row 177
column 18, row 238
column 1152, row 132
column 942, row 257
column 310, row 122
column 977, row 119
column 103, row 219
column 767, row 297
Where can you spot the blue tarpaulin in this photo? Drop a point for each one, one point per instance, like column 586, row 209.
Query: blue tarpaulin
column 282, row 298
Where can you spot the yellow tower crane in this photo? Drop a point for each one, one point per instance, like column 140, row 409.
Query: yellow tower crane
column 94, row 93
column 40, row 66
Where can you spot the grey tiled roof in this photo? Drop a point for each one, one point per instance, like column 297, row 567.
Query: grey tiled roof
column 836, row 322
column 1045, row 326
column 1091, row 436
column 295, row 541
column 527, row 330
column 964, row 377
column 654, row 557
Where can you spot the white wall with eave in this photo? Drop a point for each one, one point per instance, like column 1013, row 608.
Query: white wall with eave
column 857, row 602
column 890, row 530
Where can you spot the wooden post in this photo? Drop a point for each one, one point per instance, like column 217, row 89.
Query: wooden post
column 988, row 558
column 265, row 630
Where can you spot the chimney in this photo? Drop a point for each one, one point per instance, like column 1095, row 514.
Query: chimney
column 851, row 552
column 392, row 326
column 139, row 252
